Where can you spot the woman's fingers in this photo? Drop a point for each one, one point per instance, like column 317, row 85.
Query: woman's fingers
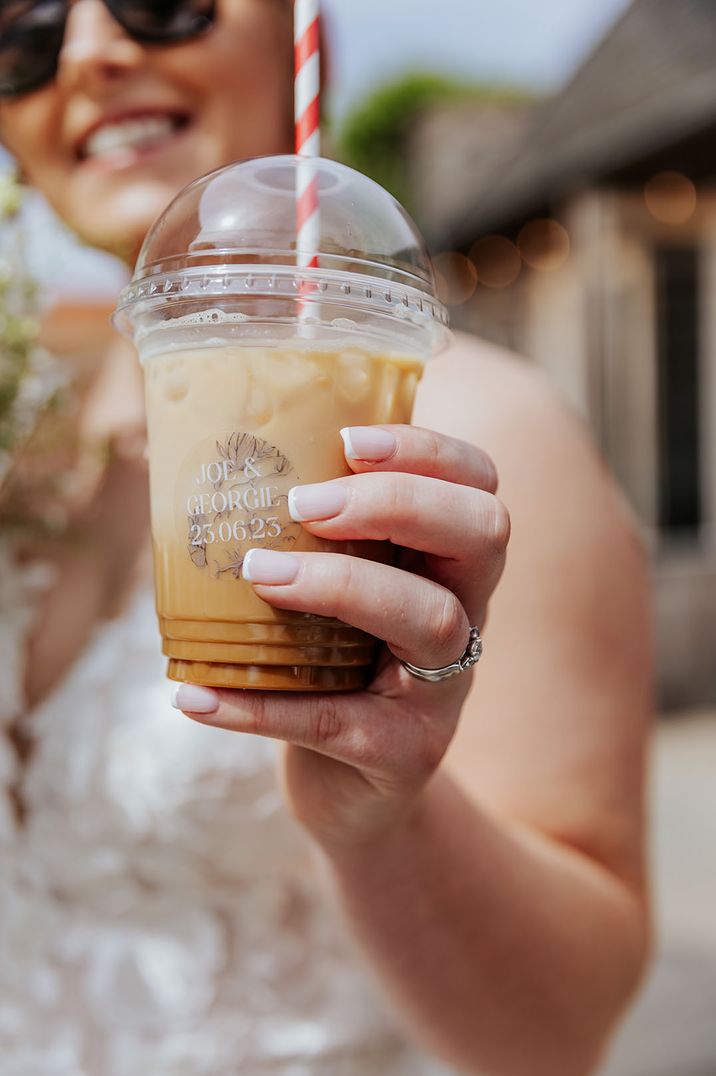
column 378, row 736
column 459, row 524
column 324, row 723
column 421, row 621
column 412, row 450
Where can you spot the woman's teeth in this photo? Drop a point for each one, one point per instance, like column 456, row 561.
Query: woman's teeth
column 129, row 134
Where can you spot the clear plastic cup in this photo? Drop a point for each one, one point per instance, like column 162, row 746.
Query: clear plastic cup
column 252, row 366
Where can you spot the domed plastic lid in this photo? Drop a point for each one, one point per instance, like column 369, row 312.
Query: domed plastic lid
column 235, row 230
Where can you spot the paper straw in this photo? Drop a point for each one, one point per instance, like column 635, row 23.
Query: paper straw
column 307, row 38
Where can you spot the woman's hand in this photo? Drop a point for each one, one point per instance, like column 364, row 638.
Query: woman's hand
column 355, row 764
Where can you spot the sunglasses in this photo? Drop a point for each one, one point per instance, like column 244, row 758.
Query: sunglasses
column 32, row 32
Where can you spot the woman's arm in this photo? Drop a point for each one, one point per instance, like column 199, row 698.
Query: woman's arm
column 508, row 918
column 500, row 897
column 505, row 952
column 104, row 502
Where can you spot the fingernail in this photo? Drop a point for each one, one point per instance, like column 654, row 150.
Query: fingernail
column 270, row 567
column 195, row 700
column 312, row 503
column 368, row 443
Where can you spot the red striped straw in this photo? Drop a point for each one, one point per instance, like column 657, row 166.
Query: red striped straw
column 307, row 39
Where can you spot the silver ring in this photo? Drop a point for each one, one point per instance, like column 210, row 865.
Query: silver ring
column 473, row 653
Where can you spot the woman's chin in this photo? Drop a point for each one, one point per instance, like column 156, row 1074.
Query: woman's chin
column 114, row 207
column 120, row 228
column 124, row 244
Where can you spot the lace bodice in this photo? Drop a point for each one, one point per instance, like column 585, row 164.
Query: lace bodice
column 158, row 911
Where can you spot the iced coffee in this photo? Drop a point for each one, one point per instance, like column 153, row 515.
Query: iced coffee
column 252, row 366
column 221, row 467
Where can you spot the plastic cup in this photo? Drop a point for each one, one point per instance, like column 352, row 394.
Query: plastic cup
column 252, row 366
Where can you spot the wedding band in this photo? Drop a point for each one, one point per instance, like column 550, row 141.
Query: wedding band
column 473, row 653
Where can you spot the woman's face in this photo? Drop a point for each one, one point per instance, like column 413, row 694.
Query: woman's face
column 123, row 127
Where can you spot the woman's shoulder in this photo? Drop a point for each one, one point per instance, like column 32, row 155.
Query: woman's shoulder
column 546, row 457
column 481, row 392
column 478, row 380
column 474, row 353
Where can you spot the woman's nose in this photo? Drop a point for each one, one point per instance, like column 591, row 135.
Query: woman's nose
column 96, row 52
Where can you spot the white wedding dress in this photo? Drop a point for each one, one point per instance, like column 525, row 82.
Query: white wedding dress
column 158, row 910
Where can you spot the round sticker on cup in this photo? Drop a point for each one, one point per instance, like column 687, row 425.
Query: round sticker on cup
column 232, row 496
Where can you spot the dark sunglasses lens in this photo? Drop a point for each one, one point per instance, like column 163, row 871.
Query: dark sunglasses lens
column 31, row 36
column 163, row 21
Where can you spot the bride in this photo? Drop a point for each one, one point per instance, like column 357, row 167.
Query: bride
column 423, row 875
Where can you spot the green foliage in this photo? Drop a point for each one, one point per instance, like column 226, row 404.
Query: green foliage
column 22, row 395
column 374, row 139
column 18, row 328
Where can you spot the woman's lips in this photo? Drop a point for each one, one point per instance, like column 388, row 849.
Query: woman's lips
column 126, row 140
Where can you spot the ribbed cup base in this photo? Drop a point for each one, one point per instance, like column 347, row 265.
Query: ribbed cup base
column 295, row 678
column 307, row 654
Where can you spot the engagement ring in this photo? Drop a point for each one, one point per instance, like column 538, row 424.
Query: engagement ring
column 472, row 655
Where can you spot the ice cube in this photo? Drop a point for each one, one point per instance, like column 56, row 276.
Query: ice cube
column 354, row 376
column 175, row 391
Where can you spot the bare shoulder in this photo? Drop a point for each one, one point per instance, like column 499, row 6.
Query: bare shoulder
column 484, row 394
column 471, row 357
column 554, row 729
column 481, row 392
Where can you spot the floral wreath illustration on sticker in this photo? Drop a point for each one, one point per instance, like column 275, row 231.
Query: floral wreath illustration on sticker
column 238, row 500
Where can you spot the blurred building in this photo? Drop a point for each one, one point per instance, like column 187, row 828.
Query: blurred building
column 584, row 236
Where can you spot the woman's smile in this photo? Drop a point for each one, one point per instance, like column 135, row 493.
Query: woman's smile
column 129, row 137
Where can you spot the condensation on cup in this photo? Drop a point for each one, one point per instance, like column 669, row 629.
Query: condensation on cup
column 252, row 366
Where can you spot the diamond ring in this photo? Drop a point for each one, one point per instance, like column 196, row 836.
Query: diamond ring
column 473, row 653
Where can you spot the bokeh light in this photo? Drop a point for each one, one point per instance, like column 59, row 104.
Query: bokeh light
column 496, row 260
column 456, row 277
column 671, row 197
column 544, row 244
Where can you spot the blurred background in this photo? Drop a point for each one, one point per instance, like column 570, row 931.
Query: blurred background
column 561, row 159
